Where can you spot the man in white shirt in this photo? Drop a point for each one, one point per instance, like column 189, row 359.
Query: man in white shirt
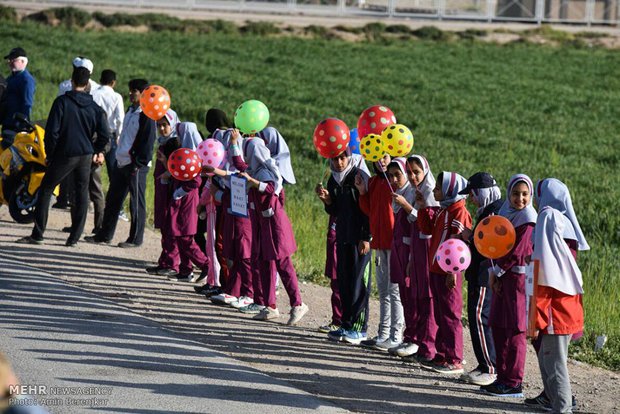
column 79, row 62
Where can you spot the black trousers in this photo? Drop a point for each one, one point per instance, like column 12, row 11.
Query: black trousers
column 59, row 168
column 354, row 281
column 478, row 309
column 95, row 192
column 125, row 180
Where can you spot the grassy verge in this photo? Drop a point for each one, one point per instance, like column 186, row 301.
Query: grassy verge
column 544, row 111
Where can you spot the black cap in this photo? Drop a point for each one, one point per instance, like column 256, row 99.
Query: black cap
column 15, row 53
column 479, row 180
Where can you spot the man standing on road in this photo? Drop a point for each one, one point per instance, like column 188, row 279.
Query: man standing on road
column 19, row 94
column 73, row 122
column 133, row 160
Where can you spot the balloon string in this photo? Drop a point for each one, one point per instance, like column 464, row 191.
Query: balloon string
column 326, row 171
column 386, row 179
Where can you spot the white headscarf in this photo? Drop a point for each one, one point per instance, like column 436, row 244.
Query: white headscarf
column 557, row 266
column 187, row 132
column 525, row 215
column 355, row 161
column 554, row 193
column 260, row 164
column 407, row 190
column 485, row 196
column 280, row 152
column 451, row 184
column 427, row 185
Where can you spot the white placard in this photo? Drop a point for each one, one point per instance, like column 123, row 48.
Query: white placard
column 238, row 196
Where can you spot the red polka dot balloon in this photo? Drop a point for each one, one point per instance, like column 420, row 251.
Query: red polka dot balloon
column 331, row 137
column 184, row 164
column 374, row 120
column 155, row 101
column 211, row 152
column 453, row 256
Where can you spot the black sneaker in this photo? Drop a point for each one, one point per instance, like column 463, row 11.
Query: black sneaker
column 127, row 245
column 203, row 276
column 503, row 390
column 66, row 230
column 167, row 272
column 539, row 401
column 28, row 240
column 369, row 343
column 71, row 243
column 95, row 240
column 153, row 270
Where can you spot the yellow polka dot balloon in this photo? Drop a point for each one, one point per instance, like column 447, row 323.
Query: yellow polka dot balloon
column 372, row 148
column 398, row 140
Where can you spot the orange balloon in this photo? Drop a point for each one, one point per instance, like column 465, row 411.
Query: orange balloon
column 155, row 101
column 494, row 237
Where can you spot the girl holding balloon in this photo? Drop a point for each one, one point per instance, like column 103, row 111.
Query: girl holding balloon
column 420, row 316
column 443, row 223
column 507, row 279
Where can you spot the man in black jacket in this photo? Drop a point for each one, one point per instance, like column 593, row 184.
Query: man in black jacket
column 134, row 155
column 70, row 144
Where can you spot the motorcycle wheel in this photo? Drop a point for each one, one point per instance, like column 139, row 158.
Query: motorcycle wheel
column 21, row 204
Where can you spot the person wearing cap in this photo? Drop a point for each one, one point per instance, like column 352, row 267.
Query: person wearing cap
column 76, row 136
column 79, row 62
column 19, row 94
column 486, row 196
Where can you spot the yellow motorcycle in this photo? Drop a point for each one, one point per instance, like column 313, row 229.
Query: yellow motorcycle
column 22, row 167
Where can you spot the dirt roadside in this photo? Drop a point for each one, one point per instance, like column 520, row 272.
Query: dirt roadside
column 350, row 377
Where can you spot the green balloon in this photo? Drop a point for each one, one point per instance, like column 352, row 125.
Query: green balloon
column 251, row 116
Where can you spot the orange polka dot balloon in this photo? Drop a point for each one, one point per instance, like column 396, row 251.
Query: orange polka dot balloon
column 494, row 237
column 155, row 101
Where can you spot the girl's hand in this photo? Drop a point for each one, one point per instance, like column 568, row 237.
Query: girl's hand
column 165, row 176
column 400, row 200
column 419, row 199
column 363, row 247
column 161, row 157
column 495, row 284
column 465, row 234
column 234, row 136
column 207, row 169
column 360, row 184
column 451, row 281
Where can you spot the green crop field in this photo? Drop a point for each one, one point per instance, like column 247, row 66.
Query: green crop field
column 540, row 110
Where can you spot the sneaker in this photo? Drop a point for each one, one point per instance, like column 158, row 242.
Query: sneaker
column 223, row 299
column 327, row 328
column 207, row 288
column 392, row 350
column 128, row 245
column 167, row 272
column 370, row 343
column 503, row 390
column 251, row 308
column 386, row 344
column 418, row 359
column 408, row 349
column 354, row 337
column 477, row 377
column 212, row 291
column 203, row 276
column 336, row 335
column 123, row 216
column 297, row 312
column 542, row 402
column 189, row 278
column 445, row 368
column 96, row 240
column 152, row 270
column 71, row 243
column 267, row 314
column 66, row 229
column 243, row 301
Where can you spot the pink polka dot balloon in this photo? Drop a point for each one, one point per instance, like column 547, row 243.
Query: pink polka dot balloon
column 212, row 153
column 184, row 164
column 453, row 256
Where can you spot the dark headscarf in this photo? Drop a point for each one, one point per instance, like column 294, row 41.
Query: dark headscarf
column 216, row 119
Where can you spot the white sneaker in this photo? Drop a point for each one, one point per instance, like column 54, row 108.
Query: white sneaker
column 385, row 344
column 223, row 298
column 478, row 377
column 267, row 314
column 123, row 216
column 297, row 312
column 406, row 350
column 241, row 302
column 190, row 278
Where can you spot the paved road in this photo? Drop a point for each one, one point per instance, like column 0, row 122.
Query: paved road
column 57, row 335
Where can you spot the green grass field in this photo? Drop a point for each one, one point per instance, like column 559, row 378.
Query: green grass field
column 540, row 110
